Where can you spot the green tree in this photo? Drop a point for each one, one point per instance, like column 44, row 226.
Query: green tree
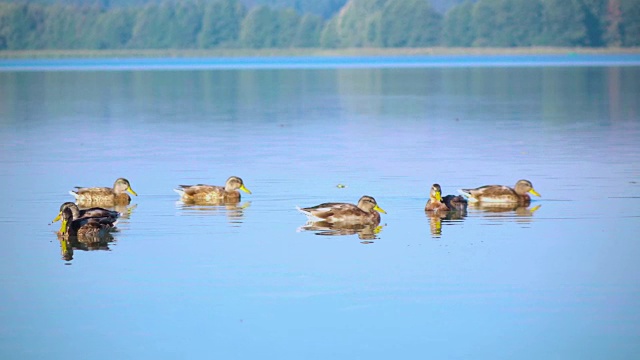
column 20, row 25
column 524, row 20
column 113, row 28
column 286, row 23
column 221, row 23
column 563, row 23
column 457, row 27
column 595, row 21
column 259, row 28
column 329, row 37
column 486, row 18
column 613, row 33
column 150, row 29
column 68, row 27
column 356, row 25
column 630, row 25
column 409, row 23
column 308, row 32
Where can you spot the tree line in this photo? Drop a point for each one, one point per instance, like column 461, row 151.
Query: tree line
column 207, row 24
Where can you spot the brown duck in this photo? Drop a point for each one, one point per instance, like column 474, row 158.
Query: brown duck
column 519, row 194
column 105, row 196
column 202, row 193
column 366, row 212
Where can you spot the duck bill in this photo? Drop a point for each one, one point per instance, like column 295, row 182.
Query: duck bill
column 379, row 209
column 57, row 217
column 438, row 196
column 532, row 191
column 130, row 191
column 243, row 188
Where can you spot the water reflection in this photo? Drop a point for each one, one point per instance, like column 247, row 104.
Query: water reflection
column 84, row 243
column 506, row 211
column 437, row 218
column 234, row 210
column 365, row 232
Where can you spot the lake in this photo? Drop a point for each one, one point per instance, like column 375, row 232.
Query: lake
column 558, row 279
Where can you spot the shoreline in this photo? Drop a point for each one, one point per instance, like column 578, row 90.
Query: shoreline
column 350, row 52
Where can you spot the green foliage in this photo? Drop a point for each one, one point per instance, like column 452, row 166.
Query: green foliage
column 506, row 23
column 630, row 26
column 221, row 23
column 458, row 28
column 409, row 23
column 264, row 27
column 190, row 24
column 563, row 23
column 19, row 25
column 357, row 25
column 308, row 32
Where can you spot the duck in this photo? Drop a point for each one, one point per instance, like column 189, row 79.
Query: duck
column 86, row 213
column 435, row 200
column 105, row 196
column 366, row 212
column 202, row 193
column 85, row 227
column 448, row 203
column 519, row 194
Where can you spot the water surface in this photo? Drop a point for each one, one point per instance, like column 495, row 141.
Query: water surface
column 557, row 279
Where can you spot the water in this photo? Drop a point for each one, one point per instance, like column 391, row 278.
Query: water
column 559, row 279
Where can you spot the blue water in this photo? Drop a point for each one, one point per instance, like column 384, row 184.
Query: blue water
column 558, row 279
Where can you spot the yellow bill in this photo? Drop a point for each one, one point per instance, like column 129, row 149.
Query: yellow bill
column 534, row 192
column 57, row 217
column 243, row 188
column 130, row 190
column 379, row 209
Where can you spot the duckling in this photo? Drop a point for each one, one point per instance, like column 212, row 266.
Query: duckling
column 85, row 227
column 86, row 213
column 202, row 193
column 366, row 212
column 105, row 196
column 501, row 194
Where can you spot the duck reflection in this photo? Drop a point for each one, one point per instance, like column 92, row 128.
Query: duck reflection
column 68, row 244
column 520, row 212
column 438, row 218
column 366, row 232
column 233, row 209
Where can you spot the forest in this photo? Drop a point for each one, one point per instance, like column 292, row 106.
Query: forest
column 209, row 24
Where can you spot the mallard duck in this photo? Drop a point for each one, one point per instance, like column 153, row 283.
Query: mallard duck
column 85, row 227
column 86, row 213
column 448, row 203
column 366, row 212
column 435, row 200
column 501, row 194
column 105, row 196
column 208, row 193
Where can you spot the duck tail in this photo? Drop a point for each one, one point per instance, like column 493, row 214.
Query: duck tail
column 74, row 194
column 467, row 195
